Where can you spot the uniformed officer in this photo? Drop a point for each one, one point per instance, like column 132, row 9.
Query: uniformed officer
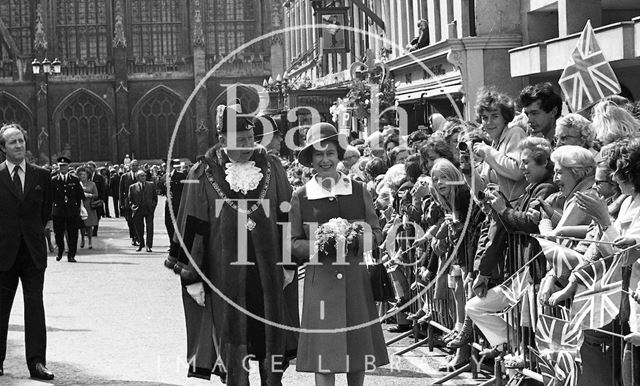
column 67, row 197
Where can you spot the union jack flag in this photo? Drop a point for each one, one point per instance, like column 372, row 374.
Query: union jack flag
column 561, row 259
column 566, row 369
column 516, row 286
column 554, row 335
column 588, row 77
column 547, row 369
column 598, row 294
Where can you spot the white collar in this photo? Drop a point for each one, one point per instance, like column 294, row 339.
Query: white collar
column 342, row 188
column 11, row 166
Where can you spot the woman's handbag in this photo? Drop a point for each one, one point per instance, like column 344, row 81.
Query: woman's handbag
column 83, row 212
column 95, row 204
column 380, row 282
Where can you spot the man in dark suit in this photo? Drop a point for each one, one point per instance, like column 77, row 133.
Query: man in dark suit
column 126, row 180
column 101, row 186
column 114, row 191
column 67, row 197
column 25, row 208
column 142, row 201
column 176, row 176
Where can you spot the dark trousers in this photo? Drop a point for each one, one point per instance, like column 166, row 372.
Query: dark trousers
column 168, row 223
column 35, row 332
column 107, row 212
column 70, row 225
column 139, row 220
column 129, row 217
column 116, row 208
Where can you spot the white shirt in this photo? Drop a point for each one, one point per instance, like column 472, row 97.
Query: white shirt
column 21, row 172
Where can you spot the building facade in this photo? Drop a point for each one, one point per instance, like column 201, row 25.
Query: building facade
column 468, row 48
column 128, row 69
column 550, row 33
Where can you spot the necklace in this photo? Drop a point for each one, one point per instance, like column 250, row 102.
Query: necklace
column 233, row 204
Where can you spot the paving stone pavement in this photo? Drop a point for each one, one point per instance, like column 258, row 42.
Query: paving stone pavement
column 115, row 318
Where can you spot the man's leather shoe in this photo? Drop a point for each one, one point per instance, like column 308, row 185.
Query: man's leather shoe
column 400, row 328
column 39, row 371
column 139, row 248
column 149, row 249
column 59, row 257
column 72, row 260
column 134, row 243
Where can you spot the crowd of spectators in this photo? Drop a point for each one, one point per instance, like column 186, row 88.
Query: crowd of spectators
column 521, row 167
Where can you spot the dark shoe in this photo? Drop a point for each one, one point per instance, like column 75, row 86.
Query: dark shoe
column 452, row 366
column 134, row 243
column 149, row 249
column 426, row 319
column 400, row 328
column 59, row 257
column 450, row 336
column 72, row 260
column 82, row 243
column 462, row 339
column 139, row 248
column 170, row 262
column 492, row 352
column 39, row 371
column 417, row 315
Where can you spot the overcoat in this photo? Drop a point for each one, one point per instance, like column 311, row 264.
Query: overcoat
column 336, row 297
column 208, row 224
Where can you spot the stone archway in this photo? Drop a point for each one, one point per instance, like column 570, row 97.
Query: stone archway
column 84, row 127
column 153, row 120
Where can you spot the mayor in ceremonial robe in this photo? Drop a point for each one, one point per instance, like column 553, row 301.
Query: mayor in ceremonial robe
column 228, row 222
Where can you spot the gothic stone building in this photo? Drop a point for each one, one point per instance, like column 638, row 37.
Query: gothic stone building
column 128, row 69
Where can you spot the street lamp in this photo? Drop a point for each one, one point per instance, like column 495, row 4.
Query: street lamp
column 46, row 68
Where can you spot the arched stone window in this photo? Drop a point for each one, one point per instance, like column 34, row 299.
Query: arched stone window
column 229, row 24
column 84, row 127
column 82, row 30
column 154, row 119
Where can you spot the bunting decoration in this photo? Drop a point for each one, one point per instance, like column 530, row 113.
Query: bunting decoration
column 597, row 297
column 588, row 76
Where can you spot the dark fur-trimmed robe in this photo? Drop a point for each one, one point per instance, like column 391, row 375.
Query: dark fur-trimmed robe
column 210, row 233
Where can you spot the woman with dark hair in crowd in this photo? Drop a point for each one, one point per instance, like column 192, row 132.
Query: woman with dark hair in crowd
column 436, row 147
column 90, row 193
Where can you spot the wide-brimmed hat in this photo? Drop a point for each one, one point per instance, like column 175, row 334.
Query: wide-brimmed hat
column 317, row 133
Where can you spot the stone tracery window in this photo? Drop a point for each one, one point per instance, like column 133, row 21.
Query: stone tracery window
column 85, row 127
column 155, row 120
column 156, row 29
column 82, row 30
column 229, row 24
column 16, row 15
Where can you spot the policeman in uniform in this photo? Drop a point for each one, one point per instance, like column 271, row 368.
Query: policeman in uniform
column 67, row 197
